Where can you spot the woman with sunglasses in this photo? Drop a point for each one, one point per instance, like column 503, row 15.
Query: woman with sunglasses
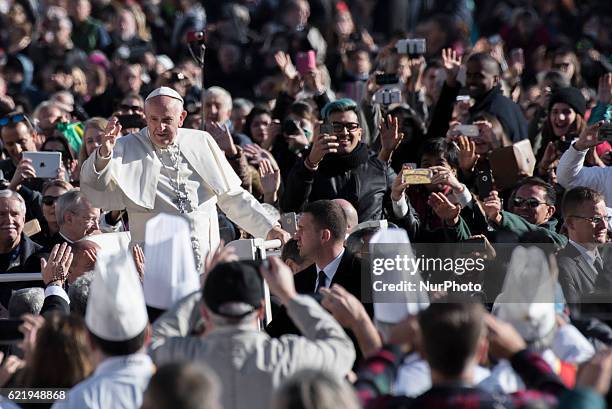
column 49, row 234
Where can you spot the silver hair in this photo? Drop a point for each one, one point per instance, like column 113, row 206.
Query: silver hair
column 78, row 293
column 26, row 301
column 59, row 14
column 48, row 104
column 10, row 194
column 71, row 201
column 242, row 103
column 222, row 93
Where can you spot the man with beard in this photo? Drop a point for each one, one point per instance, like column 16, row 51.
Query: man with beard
column 340, row 166
column 532, row 206
column 482, row 82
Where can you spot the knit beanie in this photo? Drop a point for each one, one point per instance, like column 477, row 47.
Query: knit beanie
column 570, row 96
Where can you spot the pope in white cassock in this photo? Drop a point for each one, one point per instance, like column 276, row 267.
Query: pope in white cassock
column 167, row 169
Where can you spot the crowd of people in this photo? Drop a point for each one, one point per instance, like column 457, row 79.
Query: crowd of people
column 325, row 127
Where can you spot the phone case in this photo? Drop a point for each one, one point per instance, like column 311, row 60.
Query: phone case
column 305, row 62
column 416, row 176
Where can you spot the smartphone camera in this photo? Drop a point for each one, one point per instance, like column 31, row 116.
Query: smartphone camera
column 291, row 127
column 605, row 133
column 413, row 47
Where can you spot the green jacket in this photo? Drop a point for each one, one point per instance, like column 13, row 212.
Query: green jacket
column 516, row 224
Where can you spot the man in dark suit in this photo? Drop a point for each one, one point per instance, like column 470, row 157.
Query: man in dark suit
column 320, row 237
column 18, row 254
column 580, row 263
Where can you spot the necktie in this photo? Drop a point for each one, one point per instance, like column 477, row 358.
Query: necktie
column 321, row 281
column 598, row 265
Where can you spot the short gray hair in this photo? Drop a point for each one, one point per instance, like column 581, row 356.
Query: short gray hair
column 26, row 301
column 78, row 293
column 11, row 194
column 71, row 201
column 242, row 103
column 222, row 93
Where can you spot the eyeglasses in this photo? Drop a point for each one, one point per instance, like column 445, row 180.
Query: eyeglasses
column 595, row 220
column 125, row 107
column 531, row 203
column 49, row 200
column 349, row 126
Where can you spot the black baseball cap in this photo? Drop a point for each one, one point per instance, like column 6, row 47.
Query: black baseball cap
column 233, row 282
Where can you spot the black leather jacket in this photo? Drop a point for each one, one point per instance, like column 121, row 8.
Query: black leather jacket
column 366, row 184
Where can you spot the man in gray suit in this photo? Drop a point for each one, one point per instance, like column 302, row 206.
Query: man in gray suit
column 580, row 262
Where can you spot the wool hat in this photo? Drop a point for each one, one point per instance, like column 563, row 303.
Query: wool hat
column 570, row 96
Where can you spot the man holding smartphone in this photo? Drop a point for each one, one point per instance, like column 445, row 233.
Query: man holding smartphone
column 340, row 165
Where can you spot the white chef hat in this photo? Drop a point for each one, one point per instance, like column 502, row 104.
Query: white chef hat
column 165, row 92
column 528, row 296
column 170, row 272
column 116, row 309
column 388, row 243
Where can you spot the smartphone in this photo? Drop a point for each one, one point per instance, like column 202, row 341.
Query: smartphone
column 305, row 62
column 290, row 127
column 46, row 164
column 131, row 121
column 562, row 146
column 9, row 331
column 517, row 56
column 462, row 98
column 472, row 245
column 605, row 133
column 326, row 128
column 471, row 131
column 417, row 176
column 386, row 79
column 484, row 183
column 495, row 39
column 412, row 46
column 288, row 222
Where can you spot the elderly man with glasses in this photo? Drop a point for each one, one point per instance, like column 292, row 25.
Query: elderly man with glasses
column 340, row 166
column 531, row 208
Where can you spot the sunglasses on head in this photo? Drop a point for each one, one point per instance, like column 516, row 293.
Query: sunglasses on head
column 12, row 119
column 49, row 200
column 532, row 203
